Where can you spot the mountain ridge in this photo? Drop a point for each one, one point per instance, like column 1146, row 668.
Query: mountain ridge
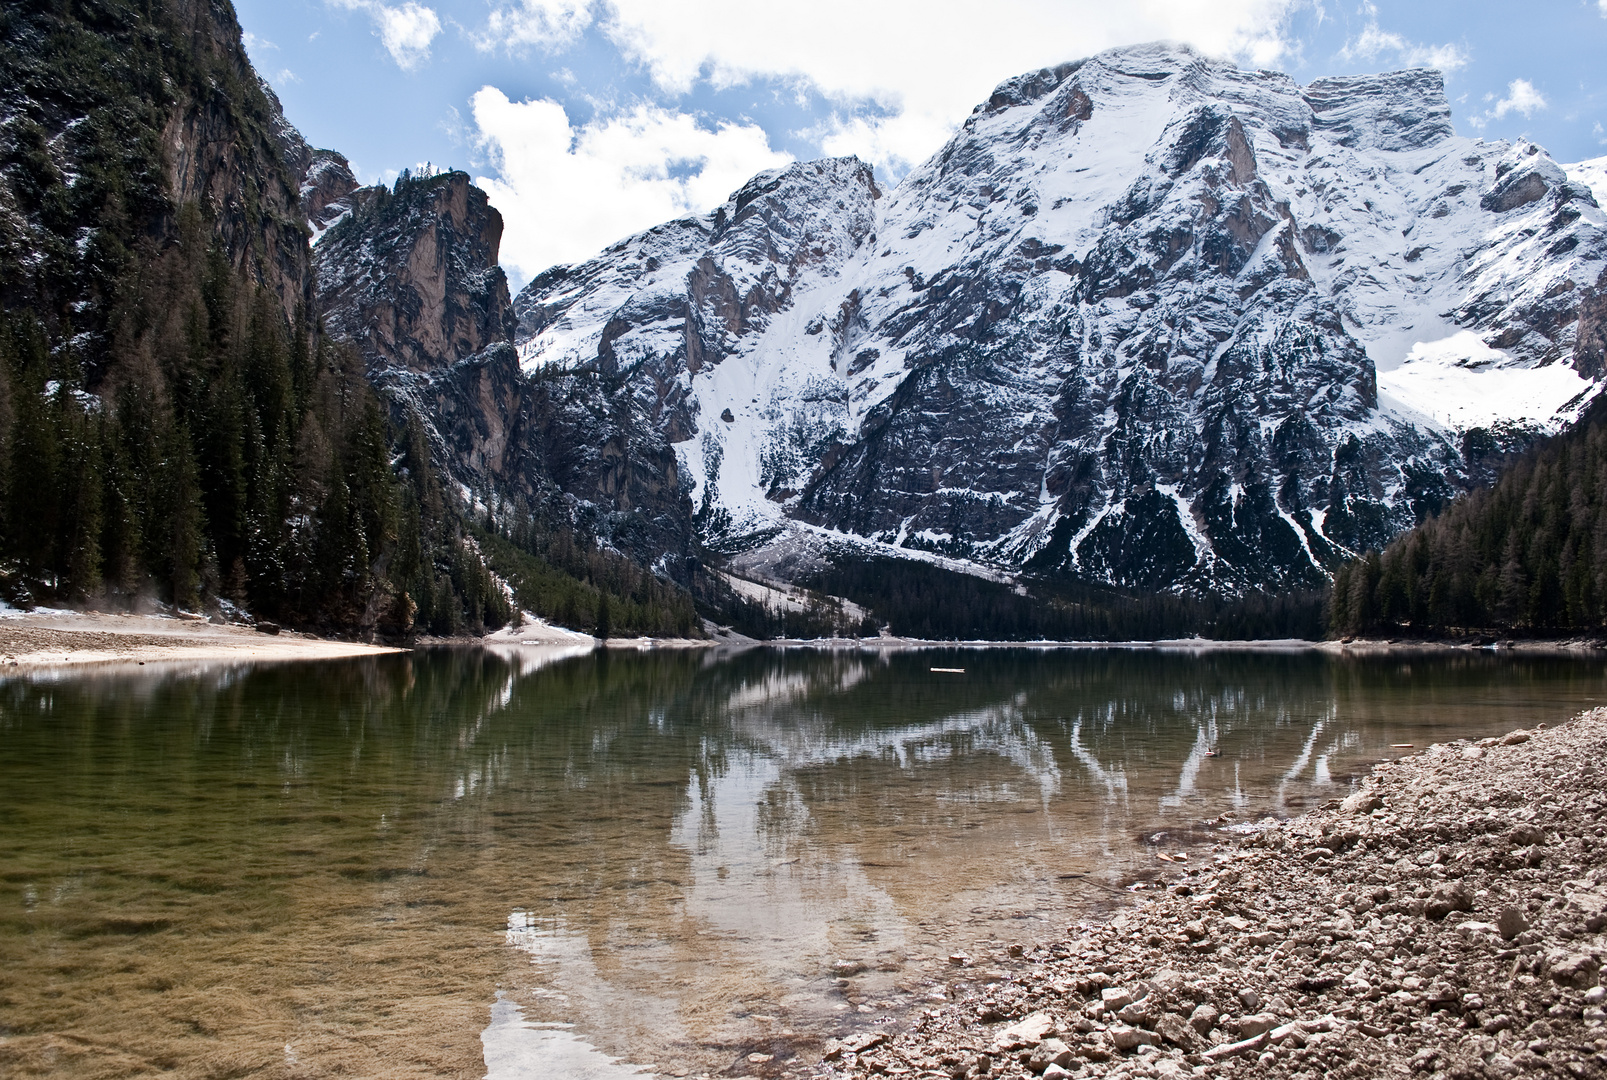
column 1138, row 245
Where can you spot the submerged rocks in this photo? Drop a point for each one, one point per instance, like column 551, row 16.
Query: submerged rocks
column 1350, row 964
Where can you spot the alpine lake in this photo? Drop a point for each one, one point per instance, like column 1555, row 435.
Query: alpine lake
column 536, row 863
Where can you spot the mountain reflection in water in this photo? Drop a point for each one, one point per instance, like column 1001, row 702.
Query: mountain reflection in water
column 538, row 863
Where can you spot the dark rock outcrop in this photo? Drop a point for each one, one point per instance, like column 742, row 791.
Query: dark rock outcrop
column 112, row 122
column 323, row 177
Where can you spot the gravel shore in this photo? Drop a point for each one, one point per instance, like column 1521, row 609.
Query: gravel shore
column 1445, row 920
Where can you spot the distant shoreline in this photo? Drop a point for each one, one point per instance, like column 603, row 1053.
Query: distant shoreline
column 1356, row 647
column 54, row 638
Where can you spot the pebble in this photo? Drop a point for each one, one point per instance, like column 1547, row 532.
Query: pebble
column 1323, row 947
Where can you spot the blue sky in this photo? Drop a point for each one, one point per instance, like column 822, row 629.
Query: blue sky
column 588, row 120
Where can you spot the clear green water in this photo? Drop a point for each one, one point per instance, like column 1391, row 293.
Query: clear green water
column 442, row 863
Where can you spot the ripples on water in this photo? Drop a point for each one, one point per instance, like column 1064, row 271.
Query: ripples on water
column 537, row 864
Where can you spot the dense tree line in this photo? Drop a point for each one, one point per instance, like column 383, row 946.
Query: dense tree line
column 170, row 429
column 819, row 616
column 918, row 599
column 221, row 457
column 1527, row 555
column 570, row 580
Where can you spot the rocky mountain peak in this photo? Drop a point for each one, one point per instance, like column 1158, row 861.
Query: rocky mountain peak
column 700, row 287
column 1394, row 111
column 410, row 276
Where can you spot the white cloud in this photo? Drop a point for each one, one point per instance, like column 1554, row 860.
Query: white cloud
column 925, row 62
column 405, row 30
column 548, row 24
column 1446, row 58
column 1374, row 42
column 1601, row 5
column 1521, row 97
column 565, row 192
column 255, row 44
column 898, row 141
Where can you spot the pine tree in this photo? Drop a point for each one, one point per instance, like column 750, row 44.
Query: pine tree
column 179, row 499
column 35, row 466
column 120, row 525
column 81, row 520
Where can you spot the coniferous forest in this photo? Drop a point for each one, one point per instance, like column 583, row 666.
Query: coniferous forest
column 922, row 600
column 174, row 425
column 1525, row 556
column 227, row 456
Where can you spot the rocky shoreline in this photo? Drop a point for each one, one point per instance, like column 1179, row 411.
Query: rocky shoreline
column 1445, row 920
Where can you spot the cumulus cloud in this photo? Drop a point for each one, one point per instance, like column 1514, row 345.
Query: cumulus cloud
column 1374, row 42
column 1521, row 97
column 898, row 77
column 547, row 24
column 925, row 62
column 406, row 30
column 565, row 192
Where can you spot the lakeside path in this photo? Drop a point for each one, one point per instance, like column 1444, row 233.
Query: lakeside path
column 1443, row 921
column 49, row 639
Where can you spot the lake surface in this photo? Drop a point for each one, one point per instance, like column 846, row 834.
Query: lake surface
column 532, row 864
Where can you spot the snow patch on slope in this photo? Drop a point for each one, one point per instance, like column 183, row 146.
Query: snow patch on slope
column 1461, row 382
column 1591, row 173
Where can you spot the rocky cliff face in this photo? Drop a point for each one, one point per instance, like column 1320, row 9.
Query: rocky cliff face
column 410, row 277
column 220, row 153
column 112, row 121
column 1147, row 319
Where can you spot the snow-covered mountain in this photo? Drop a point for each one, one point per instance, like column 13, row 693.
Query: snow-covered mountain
column 1147, row 318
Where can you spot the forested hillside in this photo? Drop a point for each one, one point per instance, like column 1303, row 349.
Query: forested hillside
column 174, row 424
column 1527, row 555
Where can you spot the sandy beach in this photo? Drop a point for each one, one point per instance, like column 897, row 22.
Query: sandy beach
column 46, row 639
